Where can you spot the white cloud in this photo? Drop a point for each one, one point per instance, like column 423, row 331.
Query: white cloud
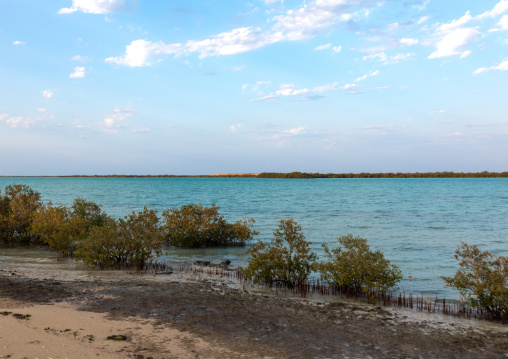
column 94, row 6
column 273, row 1
column 19, row 122
column 503, row 66
column 326, row 88
column 234, row 42
column 408, row 42
column 335, row 49
column 323, row 47
column 381, row 56
column 503, row 23
column 48, row 93
column 294, row 131
column 348, row 86
column 79, row 72
column 399, row 57
column 289, row 90
column 17, row 42
column 25, row 122
column 438, row 111
column 264, row 98
column 141, row 52
column 286, row 90
column 78, row 58
column 454, row 43
column 114, row 117
column 453, row 37
column 500, row 8
column 422, row 20
column 366, row 76
column 41, row 109
column 305, row 22
column 388, row 60
column 244, row 86
column 455, row 24
column 317, row 16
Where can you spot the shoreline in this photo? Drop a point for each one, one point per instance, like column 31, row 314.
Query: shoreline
column 216, row 318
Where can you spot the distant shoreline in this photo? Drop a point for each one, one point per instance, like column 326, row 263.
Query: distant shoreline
column 304, row 175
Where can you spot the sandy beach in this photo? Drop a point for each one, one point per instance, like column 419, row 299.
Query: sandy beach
column 46, row 313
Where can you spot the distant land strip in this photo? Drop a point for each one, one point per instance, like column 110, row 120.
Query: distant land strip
column 308, row 175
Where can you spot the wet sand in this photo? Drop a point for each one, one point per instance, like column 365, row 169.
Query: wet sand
column 184, row 315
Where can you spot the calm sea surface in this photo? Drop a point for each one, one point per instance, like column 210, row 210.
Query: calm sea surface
column 417, row 223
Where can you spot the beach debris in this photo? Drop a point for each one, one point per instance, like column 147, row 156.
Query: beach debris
column 21, row 316
column 117, row 338
column 90, row 338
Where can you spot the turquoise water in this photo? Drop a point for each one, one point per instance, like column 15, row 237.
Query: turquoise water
column 417, row 223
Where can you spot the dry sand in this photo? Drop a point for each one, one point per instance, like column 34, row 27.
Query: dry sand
column 61, row 331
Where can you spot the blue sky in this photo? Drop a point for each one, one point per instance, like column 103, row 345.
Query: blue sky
column 203, row 87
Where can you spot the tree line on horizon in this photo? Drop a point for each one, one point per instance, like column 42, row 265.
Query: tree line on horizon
column 310, row 175
column 445, row 174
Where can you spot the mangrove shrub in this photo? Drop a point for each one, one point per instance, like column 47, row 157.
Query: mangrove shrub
column 17, row 206
column 89, row 212
column 287, row 259
column 196, row 226
column 356, row 268
column 54, row 226
column 63, row 228
column 482, row 280
column 125, row 243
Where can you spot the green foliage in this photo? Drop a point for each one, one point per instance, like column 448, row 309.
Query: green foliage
column 196, row 226
column 56, row 227
column 482, row 279
column 104, row 247
column 63, row 228
column 90, row 212
column 287, row 259
column 129, row 242
column 357, row 268
column 17, row 206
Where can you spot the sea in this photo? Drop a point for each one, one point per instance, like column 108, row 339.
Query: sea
column 417, row 223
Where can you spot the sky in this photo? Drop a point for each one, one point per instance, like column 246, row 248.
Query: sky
column 220, row 86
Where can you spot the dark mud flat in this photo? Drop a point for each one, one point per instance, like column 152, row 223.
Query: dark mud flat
column 259, row 325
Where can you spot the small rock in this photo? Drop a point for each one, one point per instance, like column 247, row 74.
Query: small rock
column 225, row 264
column 202, row 263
